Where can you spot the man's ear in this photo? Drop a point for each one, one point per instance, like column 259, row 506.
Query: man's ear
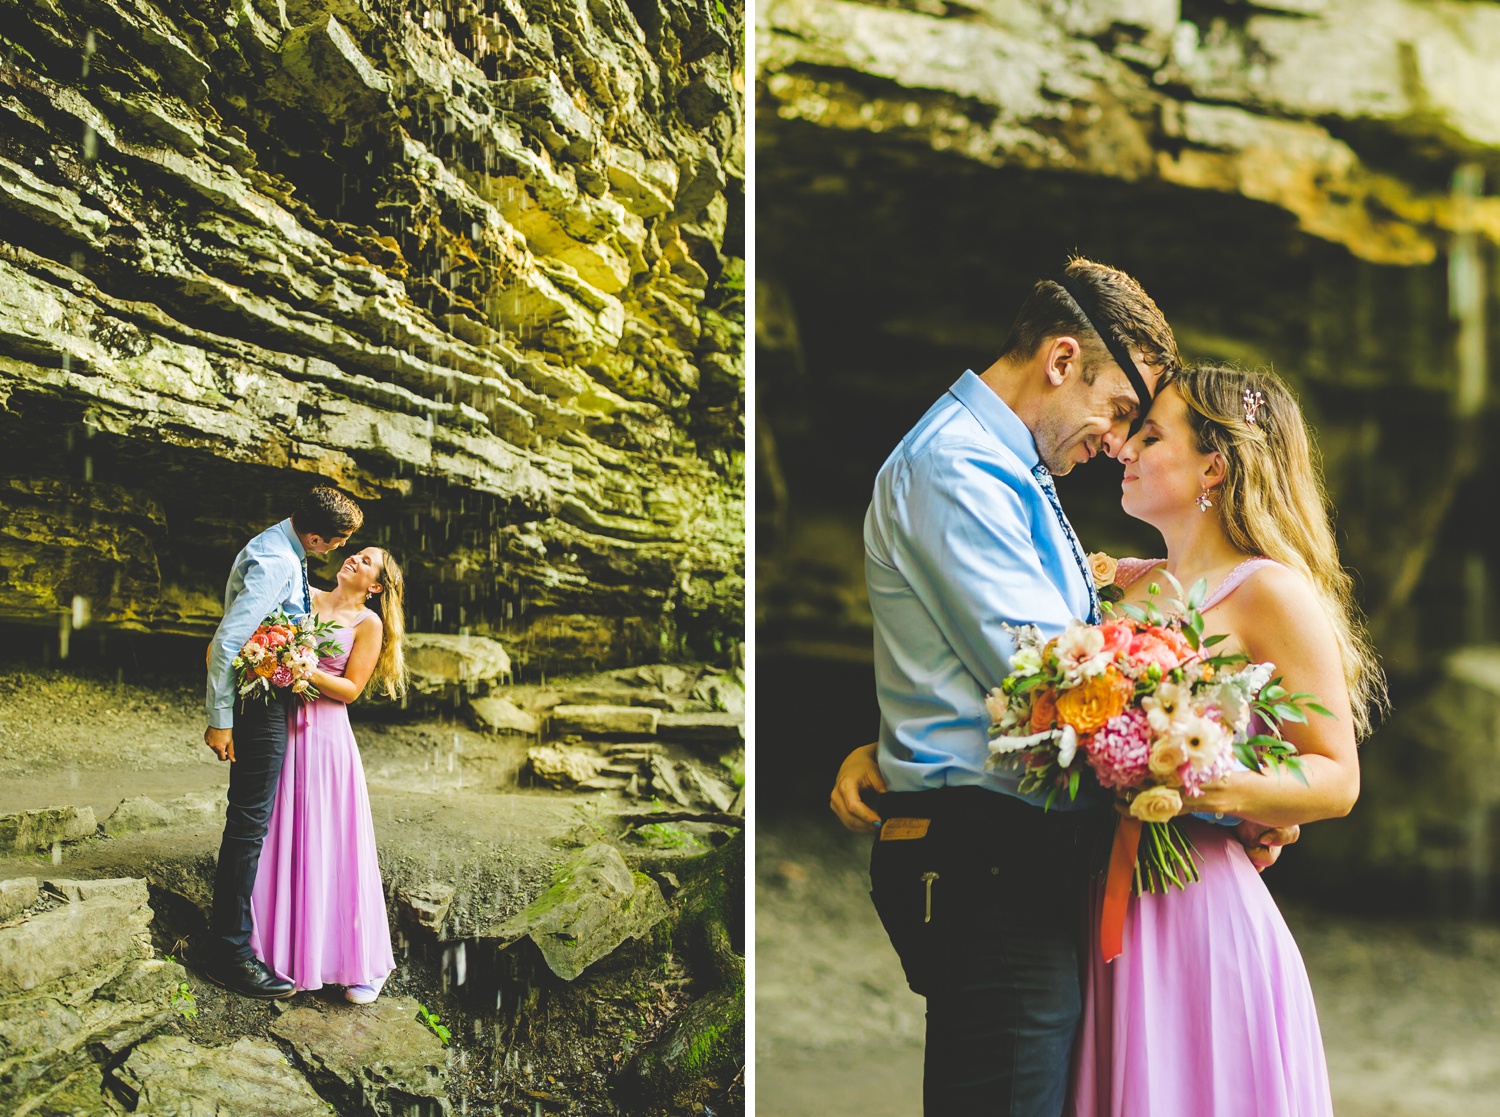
column 1064, row 359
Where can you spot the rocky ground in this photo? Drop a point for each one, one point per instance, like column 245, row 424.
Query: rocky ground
column 1410, row 1008
column 482, row 1015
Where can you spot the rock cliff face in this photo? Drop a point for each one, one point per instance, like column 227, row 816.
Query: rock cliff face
column 480, row 264
column 1304, row 183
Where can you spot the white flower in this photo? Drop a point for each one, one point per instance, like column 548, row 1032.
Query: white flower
column 252, row 654
column 1167, row 707
column 996, row 702
column 1024, row 636
column 1026, row 661
column 1067, row 746
column 1255, row 677
column 1231, row 702
column 1203, row 740
column 1080, row 652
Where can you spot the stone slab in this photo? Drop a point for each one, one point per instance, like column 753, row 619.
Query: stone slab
column 172, row 1077
column 501, row 715
column 724, row 730
column 16, row 896
column 439, row 663
column 605, row 721
column 564, row 766
column 593, row 905
column 25, row 831
column 380, row 1058
column 78, row 936
column 140, row 812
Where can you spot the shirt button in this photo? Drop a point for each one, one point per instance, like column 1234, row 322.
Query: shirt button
column 994, row 870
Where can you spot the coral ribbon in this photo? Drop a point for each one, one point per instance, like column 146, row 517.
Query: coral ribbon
column 1117, row 887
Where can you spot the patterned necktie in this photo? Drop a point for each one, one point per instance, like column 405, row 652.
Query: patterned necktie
column 1044, row 479
column 306, row 590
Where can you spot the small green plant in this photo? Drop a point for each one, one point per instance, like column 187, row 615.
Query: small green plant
column 667, row 836
column 183, row 1001
column 432, row 1022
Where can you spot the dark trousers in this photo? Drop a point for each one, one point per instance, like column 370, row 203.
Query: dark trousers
column 259, row 749
column 985, row 911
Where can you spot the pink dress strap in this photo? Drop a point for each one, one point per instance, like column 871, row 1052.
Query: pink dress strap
column 1235, row 579
column 1129, row 571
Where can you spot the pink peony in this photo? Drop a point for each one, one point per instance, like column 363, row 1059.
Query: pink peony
column 281, row 677
column 1116, row 636
column 1120, row 750
column 1166, row 647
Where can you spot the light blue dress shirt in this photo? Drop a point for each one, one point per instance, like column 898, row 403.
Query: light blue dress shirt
column 959, row 539
column 269, row 574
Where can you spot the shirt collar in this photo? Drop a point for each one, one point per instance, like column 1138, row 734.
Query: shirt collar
column 291, row 534
column 995, row 416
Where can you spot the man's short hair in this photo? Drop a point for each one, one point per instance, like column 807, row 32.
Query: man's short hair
column 1123, row 306
column 328, row 513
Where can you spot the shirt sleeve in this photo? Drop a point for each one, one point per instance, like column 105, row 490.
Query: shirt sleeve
column 266, row 580
column 966, row 547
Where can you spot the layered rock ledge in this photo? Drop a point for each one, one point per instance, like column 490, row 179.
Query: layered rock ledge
column 480, row 265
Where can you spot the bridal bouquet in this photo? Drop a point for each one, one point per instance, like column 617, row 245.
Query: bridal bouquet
column 281, row 655
column 1138, row 705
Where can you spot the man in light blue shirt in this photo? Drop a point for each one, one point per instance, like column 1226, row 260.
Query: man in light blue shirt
column 980, row 889
column 270, row 573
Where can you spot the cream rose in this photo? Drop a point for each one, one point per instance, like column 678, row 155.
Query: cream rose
column 1103, row 568
column 997, row 702
column 1167, row 755
column 1156, row 804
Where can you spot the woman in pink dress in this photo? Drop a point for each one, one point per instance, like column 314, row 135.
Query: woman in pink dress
column 1208, row 1011
column 318, row 909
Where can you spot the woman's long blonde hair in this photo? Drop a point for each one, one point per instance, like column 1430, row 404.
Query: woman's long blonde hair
column 389, row 676
column 1273, row 503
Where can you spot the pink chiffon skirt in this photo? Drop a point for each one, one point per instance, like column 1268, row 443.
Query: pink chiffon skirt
column 1208, row 1012
column 318, row 910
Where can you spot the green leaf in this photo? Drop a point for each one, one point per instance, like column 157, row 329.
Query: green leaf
column 1198, row 593
column 1073, row 783
column 1217, row 638
column 1272, row 693
column 1324, row 710
column 1192, row 636
column 1134, row 612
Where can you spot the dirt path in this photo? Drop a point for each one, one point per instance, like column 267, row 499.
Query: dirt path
column 1410, row 1009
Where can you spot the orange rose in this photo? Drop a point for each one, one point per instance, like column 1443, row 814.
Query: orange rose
column 266, row 667
column 1044, row 711
column 1087, row 706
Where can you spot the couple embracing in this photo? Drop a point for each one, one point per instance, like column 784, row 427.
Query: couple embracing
column 298, row 900
column 986, row 896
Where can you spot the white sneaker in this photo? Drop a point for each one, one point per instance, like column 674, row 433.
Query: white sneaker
column 365, row 994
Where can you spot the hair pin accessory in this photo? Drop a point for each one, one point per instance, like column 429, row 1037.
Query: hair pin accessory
column 1253, row 403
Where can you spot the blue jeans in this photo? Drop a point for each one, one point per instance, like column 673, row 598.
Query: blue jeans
column 986, row 912
column 259, row 749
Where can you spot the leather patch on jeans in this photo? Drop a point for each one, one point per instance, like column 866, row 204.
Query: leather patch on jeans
column 902, row 829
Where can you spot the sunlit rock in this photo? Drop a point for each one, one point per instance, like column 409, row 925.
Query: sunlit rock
column 501, row 715
column 16, row 896
column 604, row 721
column 564, row 765
column 170, row 1075
column 441, row 664
column 378, row 1059
column 140, row 812
column 593, row 905
column 25, row 831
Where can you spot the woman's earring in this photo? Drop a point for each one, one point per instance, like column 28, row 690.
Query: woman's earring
column 1203, row 503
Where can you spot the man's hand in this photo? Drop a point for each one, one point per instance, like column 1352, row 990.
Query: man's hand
column 1263, row 843
column 859, row 772
column 221, row 741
